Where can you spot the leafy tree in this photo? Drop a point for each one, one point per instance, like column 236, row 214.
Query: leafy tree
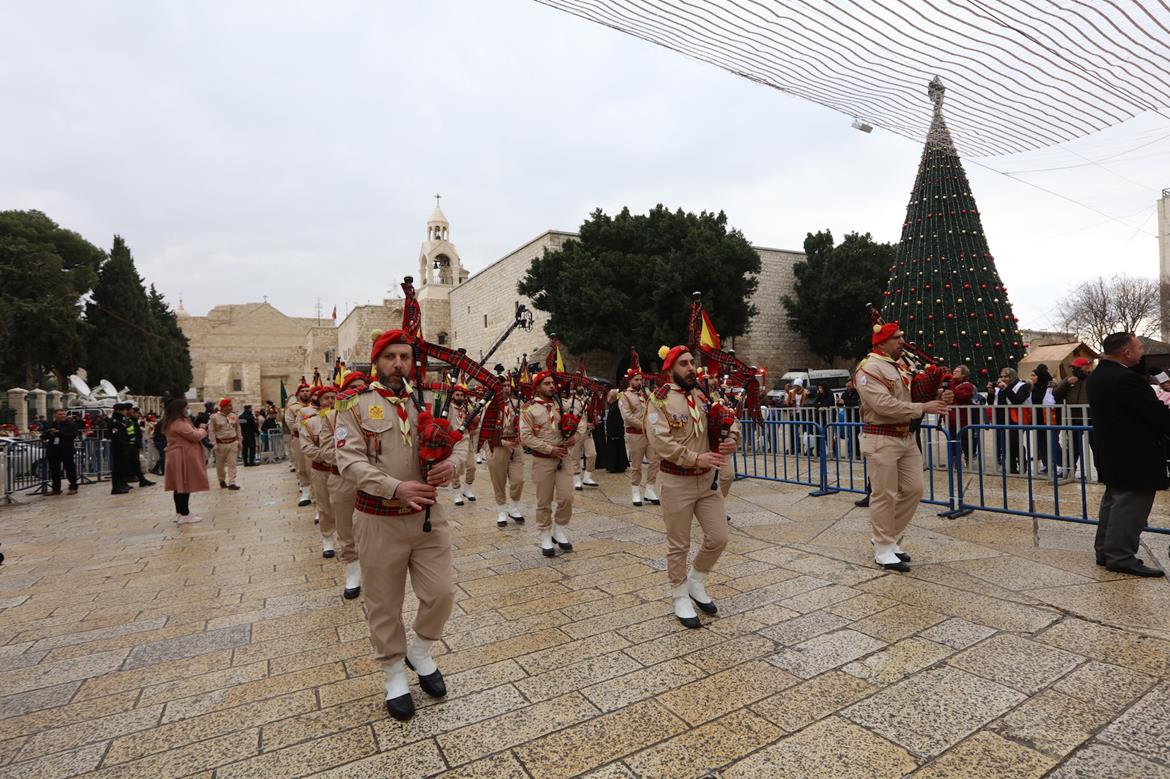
column 627, row 280
column 46, row 269
column 174, row 364
column 833, row 284
column 1098, row 307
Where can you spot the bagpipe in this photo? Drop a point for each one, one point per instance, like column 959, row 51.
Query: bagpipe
column 728, row 369
column 491, row 427
column 926, row 377
column 586, row 394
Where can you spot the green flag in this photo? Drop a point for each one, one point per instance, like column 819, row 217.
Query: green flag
column 283, row 395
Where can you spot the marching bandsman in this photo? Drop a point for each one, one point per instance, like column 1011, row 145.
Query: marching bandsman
column 320, row 465
column 889, row 401
column 585, row 454
column 224, row 431
column 341, row 491
column 676, row 425
column 542, row 434
column 460, row 409
column 506, row 459
column 292, row 421
column 398, row 525
column 632, row 405
column 715, row 391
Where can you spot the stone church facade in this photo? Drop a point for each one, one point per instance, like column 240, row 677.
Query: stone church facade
column 243, row 351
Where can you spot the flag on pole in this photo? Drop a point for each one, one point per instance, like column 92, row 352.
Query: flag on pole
column 283, row 395
column 335, row 312
column 560, row 360
column 707, row 335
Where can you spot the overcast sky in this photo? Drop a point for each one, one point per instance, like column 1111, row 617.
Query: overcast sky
column 291, row 149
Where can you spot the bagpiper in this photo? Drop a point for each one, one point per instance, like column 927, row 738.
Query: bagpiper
column 549, row 434
column 460, row 409
column 322, row 398
column 292, row 422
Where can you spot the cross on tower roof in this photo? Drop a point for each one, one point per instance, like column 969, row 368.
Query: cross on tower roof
column 437, row 197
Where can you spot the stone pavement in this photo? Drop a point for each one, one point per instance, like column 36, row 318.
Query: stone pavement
column 132, row 647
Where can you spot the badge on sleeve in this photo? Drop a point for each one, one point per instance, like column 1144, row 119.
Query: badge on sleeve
column 341, row 433
column 377, row 412
column 862, row 380
column 653, row 419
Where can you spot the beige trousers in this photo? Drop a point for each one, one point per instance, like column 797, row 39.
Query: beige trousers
column 293, row 445
column 684, row 497
column 466, row 474
column 341, row 497
column 590, row 454
column 319, row 484
column 548, row 478
column 389, row 548
column 506, row 468
column 637, row 447
column 225, row 461
column 895, row 475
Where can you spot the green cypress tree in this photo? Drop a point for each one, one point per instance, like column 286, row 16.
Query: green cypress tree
column 944, row 288
column 175, row 359
column 122, row 338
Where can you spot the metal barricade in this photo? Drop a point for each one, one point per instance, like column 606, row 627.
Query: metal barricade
column 271, row 447
column 784, row 450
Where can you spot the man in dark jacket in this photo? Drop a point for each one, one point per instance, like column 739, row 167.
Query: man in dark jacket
column 1009, row 391
column 1074, row 391
column 59, row 436
column 1131, row 426
column 249, row 429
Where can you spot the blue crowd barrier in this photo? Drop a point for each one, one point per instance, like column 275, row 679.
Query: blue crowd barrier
column 1027, row 470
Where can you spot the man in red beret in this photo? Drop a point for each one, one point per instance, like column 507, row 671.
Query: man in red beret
column 292, row 422
column 541, row 434
column 341, row 492
column 632, row 405
column 676, row 426
column 398, row 526
column 892, row 457
column 224, row 429
column 461, row 407
column 311, row 444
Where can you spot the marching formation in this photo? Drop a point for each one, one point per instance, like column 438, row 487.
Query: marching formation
column 374, row 449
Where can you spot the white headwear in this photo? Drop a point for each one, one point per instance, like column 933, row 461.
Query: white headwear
column 798, row 382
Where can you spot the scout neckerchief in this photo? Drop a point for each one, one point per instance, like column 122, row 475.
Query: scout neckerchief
column 399, row 402
column 692, row 406
column 903, row 371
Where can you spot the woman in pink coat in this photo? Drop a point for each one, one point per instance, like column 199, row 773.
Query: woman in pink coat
column 186, row 470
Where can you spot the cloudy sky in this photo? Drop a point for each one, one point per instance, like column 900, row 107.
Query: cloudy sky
column 291, row 149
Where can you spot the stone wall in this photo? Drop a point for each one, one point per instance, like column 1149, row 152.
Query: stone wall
column 355, row 331
column 320, row 350
column 769, row 342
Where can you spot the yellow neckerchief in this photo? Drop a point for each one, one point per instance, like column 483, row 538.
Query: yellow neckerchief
column 903, row 371
column 398, row 400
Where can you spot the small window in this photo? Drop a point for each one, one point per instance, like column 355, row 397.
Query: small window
column 237, row 385
column 442, row 339
column 485, row 320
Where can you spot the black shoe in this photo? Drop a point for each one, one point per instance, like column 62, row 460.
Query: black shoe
column 119, row 490
column 655, row 502
column 305, row 502
column 729, row 519
column 518, row 520
column 689, row 622
column 903, row 556
column 233, row 486
column 501, row 523
column 400, row 708
column 639, row 504
column 328, row 554
column 899, row 566
column 54, row 492
column 707, row 608
column 863, row 503
column 548, row 552
column 432, row 684
column 1137, row 569
column 223, row 485
column 1101, row 561
column 567, row 547
column 349, row 594
column 579, row 489
column 145, row 483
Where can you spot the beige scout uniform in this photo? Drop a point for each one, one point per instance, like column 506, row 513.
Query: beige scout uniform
column 341, row 491
column 292, row 421
column 225, row 434
column 892, row 457
column 540, row 431
column 677, row 432
column 466, row 474
column 319, row 470
column 632, row 406
column 506, row 461
column 374, row 456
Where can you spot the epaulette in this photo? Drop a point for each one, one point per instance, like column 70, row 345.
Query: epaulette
column 660, row 395
column 346, row 400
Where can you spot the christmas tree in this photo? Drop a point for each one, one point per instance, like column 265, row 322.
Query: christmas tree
column 944, row 289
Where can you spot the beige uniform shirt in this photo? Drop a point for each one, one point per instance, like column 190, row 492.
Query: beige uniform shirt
column 326, row 441
column 292, row 417
column 223, row 426
column 632, row 406
column 675, row 435
column 370, row 450
column 540, row 427
column 885, row 392
column 311, row 438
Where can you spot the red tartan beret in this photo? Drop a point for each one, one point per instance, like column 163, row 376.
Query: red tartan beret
column 883, row 333
column 386, row 339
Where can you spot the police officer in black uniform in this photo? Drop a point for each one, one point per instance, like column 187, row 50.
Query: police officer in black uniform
column 59, row 436
column 121, row 450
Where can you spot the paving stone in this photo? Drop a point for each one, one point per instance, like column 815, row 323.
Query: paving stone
column 825, row 652
column 703, row 750
column 1097, row 761
column 832, row 749
column 804, row 627
column 516, row 727
column 932, row 711
column 897, row 623
column 187, row 646
column 708, row 698
column 1052, row 723
column 898, row 661
column 987, row 756
column 1102, row 684
column 1016, row 662
column 1144, row 728
column 584, row 673
column 62, row 764
column 957, row 633
column 644, row 683
column 502, row 766
column 812, row 700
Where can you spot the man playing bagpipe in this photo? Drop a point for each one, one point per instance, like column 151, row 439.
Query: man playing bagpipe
column 632, row 405
column 341, row 492
column 320, row 463
column 382, row 441
column 693, row 438
column 584, row 455
column 292, row 421
column 505, row 462
column 893, row 393
column 460, row 410
column 550, row 432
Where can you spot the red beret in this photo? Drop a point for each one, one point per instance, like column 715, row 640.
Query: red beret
column 303, row 385
column 225, row 402
column 538, row 378
column 668, row 356
column 386, row 339
column 315, row 391
column 350, row 377
column 1081, row 362
column 883, row 333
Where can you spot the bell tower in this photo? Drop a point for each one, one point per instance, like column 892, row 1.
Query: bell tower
column 438, row 262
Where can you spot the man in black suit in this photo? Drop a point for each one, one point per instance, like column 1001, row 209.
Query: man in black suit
column 1008, row 391
column 249, row 429
column 1131, row 426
